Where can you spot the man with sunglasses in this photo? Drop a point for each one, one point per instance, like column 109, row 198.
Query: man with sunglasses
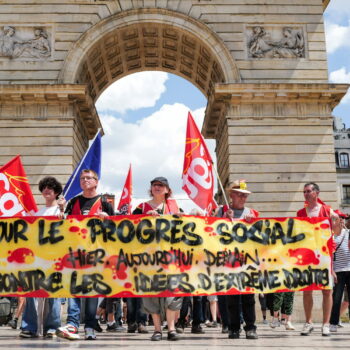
column 314, row 207
column 246, row 302
column 88, row 203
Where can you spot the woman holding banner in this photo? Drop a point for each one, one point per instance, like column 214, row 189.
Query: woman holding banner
column 161, row 308
column 42, row 316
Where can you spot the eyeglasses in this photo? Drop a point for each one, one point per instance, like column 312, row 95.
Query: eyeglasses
column 87, row 178
column 308, row 191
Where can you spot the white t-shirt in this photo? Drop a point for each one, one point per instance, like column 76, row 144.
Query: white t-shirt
column 48, row 211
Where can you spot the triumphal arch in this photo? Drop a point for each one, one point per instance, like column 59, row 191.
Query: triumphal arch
column 261, row 64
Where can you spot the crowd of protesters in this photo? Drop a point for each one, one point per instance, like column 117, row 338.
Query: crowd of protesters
column 235, row 313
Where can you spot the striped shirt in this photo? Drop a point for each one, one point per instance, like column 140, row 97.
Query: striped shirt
column 341, row 257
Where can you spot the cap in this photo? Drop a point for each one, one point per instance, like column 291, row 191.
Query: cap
column 238, row 186
column 160, row 179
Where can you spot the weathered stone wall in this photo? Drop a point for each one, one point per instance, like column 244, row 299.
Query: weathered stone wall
column 48, row 126
column 233, row 21
column 277, row 137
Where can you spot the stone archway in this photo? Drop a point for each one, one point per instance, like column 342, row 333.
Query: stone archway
column 270, row 112
column 149, row 39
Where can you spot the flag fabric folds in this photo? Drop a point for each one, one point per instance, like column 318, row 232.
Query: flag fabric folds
column 91, row 160
column 16, row 197
column 197, row 175
column 124, row 206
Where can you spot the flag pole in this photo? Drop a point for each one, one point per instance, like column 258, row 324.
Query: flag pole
column 81, row 161
column 220, row 183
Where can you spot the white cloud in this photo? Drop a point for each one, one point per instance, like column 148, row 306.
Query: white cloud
column 135, row 91
column 154, row 146
column 337, row 36
column 341, row 76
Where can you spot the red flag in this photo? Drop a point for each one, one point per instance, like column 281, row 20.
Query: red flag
column 197, row 175
column 124, row 206
column 16, row 197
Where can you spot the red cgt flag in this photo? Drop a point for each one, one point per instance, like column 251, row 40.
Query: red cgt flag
column 16, row 198
column 197, row 175
column 124, row 206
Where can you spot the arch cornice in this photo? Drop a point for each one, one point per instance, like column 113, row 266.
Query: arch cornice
column 75, row 57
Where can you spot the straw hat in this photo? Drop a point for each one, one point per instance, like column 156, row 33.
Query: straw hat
column 238, row 186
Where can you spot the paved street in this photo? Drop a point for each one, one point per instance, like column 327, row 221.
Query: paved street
column 212, row 339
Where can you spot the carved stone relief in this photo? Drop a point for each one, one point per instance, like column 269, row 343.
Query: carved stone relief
column 275, row 42
column 32, row 44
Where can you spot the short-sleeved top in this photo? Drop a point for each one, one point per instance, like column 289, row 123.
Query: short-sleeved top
column 48, row 211
column 169, row 207
column 81, row 205
column 325, row 212
column 341, row 257
column 238, row 213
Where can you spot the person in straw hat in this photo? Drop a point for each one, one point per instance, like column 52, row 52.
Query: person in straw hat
column 238, row 194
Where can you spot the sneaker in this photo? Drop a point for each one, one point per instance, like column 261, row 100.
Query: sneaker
column 207, row 322
column 289, row 326
column 213, row 324
column 265, row 321
column 68, row 332
column 111, row 327
column 116, row 328
column 197, row 329
column 98, row 327
column 251, row 334
column 307, row 329
column 340, row 324
column 333, row 328
column 142, row 329
column 13, row 323
column 325, row 330
column 274, row 323
column 90, row 334
column 51, row 333
column 172, row 335
column 28, row 334
column 120, row 328
column 233, row 334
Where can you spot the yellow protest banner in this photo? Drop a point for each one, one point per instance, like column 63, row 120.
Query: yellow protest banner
column 162, row 256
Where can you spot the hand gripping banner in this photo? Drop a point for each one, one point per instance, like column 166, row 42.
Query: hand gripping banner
column 162, row 256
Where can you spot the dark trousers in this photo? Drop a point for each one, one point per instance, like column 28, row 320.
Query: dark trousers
column 196, row 310
column 238, row 303
column 135, row 314
column 343, row 279
column 222, row 302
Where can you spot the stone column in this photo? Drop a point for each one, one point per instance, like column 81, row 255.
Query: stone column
column 48, row 125
column 277, row 137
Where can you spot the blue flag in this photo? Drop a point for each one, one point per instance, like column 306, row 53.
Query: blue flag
column 91, row 160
